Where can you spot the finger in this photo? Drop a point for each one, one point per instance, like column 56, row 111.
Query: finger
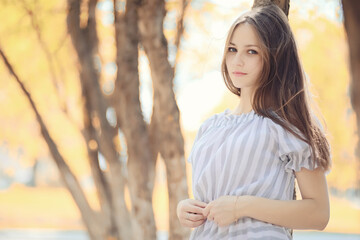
column 192, row 216
column 194, row 209
column 205, row 213
column 206, row 210
column 199, row 203
column 193, row 224
column 190, row 207
column 195, row 217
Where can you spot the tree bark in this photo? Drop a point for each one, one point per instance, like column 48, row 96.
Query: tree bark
column 165, row 119
column 85, row 42
column 283, row 4
column 180, row 29
column 144, row 142
column 351, row 10
column 141, row 166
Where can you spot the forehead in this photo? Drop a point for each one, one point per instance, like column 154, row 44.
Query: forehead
column 244, row 34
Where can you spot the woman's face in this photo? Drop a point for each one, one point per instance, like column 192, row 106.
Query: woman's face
column 243, row 58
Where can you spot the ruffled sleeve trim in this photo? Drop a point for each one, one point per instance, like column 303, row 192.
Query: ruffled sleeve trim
column 294, row 152
column 294, row 161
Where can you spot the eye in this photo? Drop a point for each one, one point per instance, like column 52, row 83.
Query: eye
column 231, row 49
column 252, row 51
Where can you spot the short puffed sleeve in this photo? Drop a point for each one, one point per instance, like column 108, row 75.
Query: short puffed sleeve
column 294, row 152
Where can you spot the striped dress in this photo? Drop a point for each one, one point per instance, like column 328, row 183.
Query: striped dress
column 245, row 154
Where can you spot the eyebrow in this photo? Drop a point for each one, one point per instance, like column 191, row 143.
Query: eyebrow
column 249, row 45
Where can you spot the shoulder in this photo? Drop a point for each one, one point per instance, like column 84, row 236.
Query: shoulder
column 273, row 126
column 211, row 120
column 282, row 135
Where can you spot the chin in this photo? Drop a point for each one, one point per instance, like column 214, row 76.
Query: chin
column 238, row 86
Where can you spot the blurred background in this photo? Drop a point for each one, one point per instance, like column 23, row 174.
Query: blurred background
column 34, row 204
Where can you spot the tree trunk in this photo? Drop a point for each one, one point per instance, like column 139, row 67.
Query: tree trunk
column 283, row 4
column 143, row 141
column 85, row 42
column 141, row 23
column 351, row 10
column 165, row 119
column 141, row 166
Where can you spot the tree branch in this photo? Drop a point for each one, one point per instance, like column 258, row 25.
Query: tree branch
column 59, row 88
column 67, row 175
column 180, row 29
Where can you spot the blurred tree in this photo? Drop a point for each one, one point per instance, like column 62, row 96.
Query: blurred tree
column 140, row 23
column 351, row 10
column 138, row 27
column 283, row 4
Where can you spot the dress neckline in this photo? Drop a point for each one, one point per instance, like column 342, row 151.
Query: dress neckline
column 226, row 118
column 230, row 114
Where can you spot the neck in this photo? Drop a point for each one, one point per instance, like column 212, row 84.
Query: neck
column 244, row 105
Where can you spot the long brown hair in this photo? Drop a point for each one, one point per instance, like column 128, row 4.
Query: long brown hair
column 281, row 93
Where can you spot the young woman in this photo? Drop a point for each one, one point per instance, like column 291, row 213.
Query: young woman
column 245, row 161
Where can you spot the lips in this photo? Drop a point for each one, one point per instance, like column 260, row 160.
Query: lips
column 238, row 73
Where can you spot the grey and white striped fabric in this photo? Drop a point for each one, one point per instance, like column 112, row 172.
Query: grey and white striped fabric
column 245, row 155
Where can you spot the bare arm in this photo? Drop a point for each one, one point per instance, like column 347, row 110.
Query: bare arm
column 312, row 212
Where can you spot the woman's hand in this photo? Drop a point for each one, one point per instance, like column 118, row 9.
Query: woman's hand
column 223, row 211
column 190, row 213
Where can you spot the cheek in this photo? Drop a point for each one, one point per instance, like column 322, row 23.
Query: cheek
column 227, row 60
column 260, row 67
column 257, row 65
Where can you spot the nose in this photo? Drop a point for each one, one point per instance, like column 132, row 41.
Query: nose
column 239, row 59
